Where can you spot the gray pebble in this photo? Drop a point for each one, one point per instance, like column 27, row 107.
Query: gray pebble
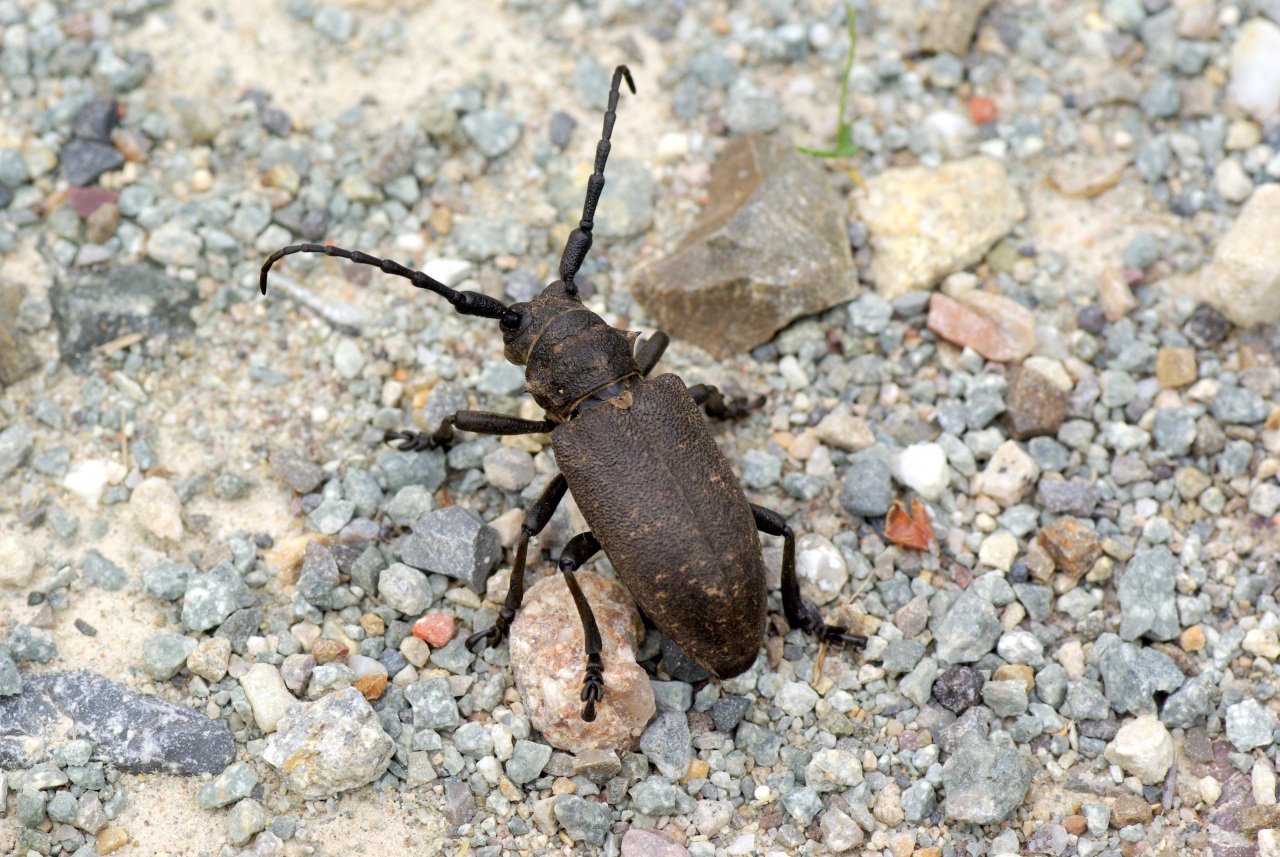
column 583, row 820
column 213, row 596
column 528, row 758
column 867, row 490
column 666, row 742
column 405, row 589
column 492, row 132
column 101, row 572
column 433, row 705
column 165, row 653
column 1148, row 605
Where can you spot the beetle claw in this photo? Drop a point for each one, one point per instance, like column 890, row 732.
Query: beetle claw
column 478, row 641
column 410, row 441
column 739, row 407
column 836, row 634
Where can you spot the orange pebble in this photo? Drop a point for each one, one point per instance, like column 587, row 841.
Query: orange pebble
column 435, row 629
column 981, row 110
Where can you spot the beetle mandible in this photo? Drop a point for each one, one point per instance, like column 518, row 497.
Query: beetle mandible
column 660, row 498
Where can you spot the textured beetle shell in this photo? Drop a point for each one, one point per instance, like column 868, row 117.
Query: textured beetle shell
column 666, row 508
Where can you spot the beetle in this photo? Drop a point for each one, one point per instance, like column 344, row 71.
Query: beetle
column 660, row 497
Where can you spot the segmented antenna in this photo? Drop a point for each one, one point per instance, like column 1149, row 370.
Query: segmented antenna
column 575, row 249
column 466, row 303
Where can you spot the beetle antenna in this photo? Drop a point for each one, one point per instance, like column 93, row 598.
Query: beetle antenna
column 575, row 249
column 466, row 303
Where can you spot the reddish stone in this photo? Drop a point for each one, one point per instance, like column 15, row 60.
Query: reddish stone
column 327, row 650
column 997, row 328
column 85, row 200
column 1073, row 547
column 435, row 629
column 981, row 110
column 1075, row 825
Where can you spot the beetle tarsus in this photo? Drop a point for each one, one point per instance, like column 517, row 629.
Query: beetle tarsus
column 410, row 441
column 716, row 406
column 481, row 640
column 592, row 686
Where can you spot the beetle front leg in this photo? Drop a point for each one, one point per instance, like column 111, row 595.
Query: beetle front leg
column 479, row 422
column 650, row 351
column 580, row 549
column 534, row 522
column 800, row 613
column 718, row 407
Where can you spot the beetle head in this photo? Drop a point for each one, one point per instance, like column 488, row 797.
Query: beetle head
column 525, row 322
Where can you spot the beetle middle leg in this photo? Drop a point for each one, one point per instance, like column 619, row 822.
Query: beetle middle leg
column 534, row 522
column 800, row 613
column 480, row 422
column 580, row 549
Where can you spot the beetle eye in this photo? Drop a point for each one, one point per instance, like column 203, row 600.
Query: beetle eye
column 511, row 320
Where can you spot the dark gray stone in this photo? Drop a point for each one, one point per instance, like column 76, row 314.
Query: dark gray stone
column 84, row 160
column 868, row 491
column 666, row 741
column 134, row 732
column 100, row 306
column 454, row 542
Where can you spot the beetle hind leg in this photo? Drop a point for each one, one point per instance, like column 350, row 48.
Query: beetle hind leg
column 580, row 549
column 534, row 522
column 800, row 613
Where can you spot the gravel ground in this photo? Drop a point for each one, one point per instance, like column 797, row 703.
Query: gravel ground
column 200, row 523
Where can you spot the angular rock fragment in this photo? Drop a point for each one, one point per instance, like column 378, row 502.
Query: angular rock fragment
column 770, row 247
column 925, row 223
column 329, row 746
column 454, row 542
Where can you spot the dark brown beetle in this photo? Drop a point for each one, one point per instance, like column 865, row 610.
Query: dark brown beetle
column 660, row 497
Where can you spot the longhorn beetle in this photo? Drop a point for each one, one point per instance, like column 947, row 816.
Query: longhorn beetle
column 660, row 497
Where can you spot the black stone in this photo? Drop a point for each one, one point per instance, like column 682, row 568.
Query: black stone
column 1103, row 730
column 96, row 120
column 277, row 121
column 561, row 128
column 959, row 688
column 1091, row 319
column 679, row 665
column 728, row 711
column 1206, row 327
column 84, row 160
column 134, row 732
column 100, row 306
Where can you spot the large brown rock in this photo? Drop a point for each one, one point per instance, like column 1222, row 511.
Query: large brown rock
column 547, row 660
column 772, row 245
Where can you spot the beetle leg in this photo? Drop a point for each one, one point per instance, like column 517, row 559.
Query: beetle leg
column 580, row 549
column 720, row 408
column 480, row 422
column 800, row 613
column 650, row 351
column 534, row 522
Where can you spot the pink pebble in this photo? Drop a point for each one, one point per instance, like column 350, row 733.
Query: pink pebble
column 435, row 629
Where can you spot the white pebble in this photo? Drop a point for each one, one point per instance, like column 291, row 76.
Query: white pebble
column 922, row 467
column 17, row 561
column 156, row 505
column 88, row 479
column 265, row 690
column 1143, row 748
column 1255, row 74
